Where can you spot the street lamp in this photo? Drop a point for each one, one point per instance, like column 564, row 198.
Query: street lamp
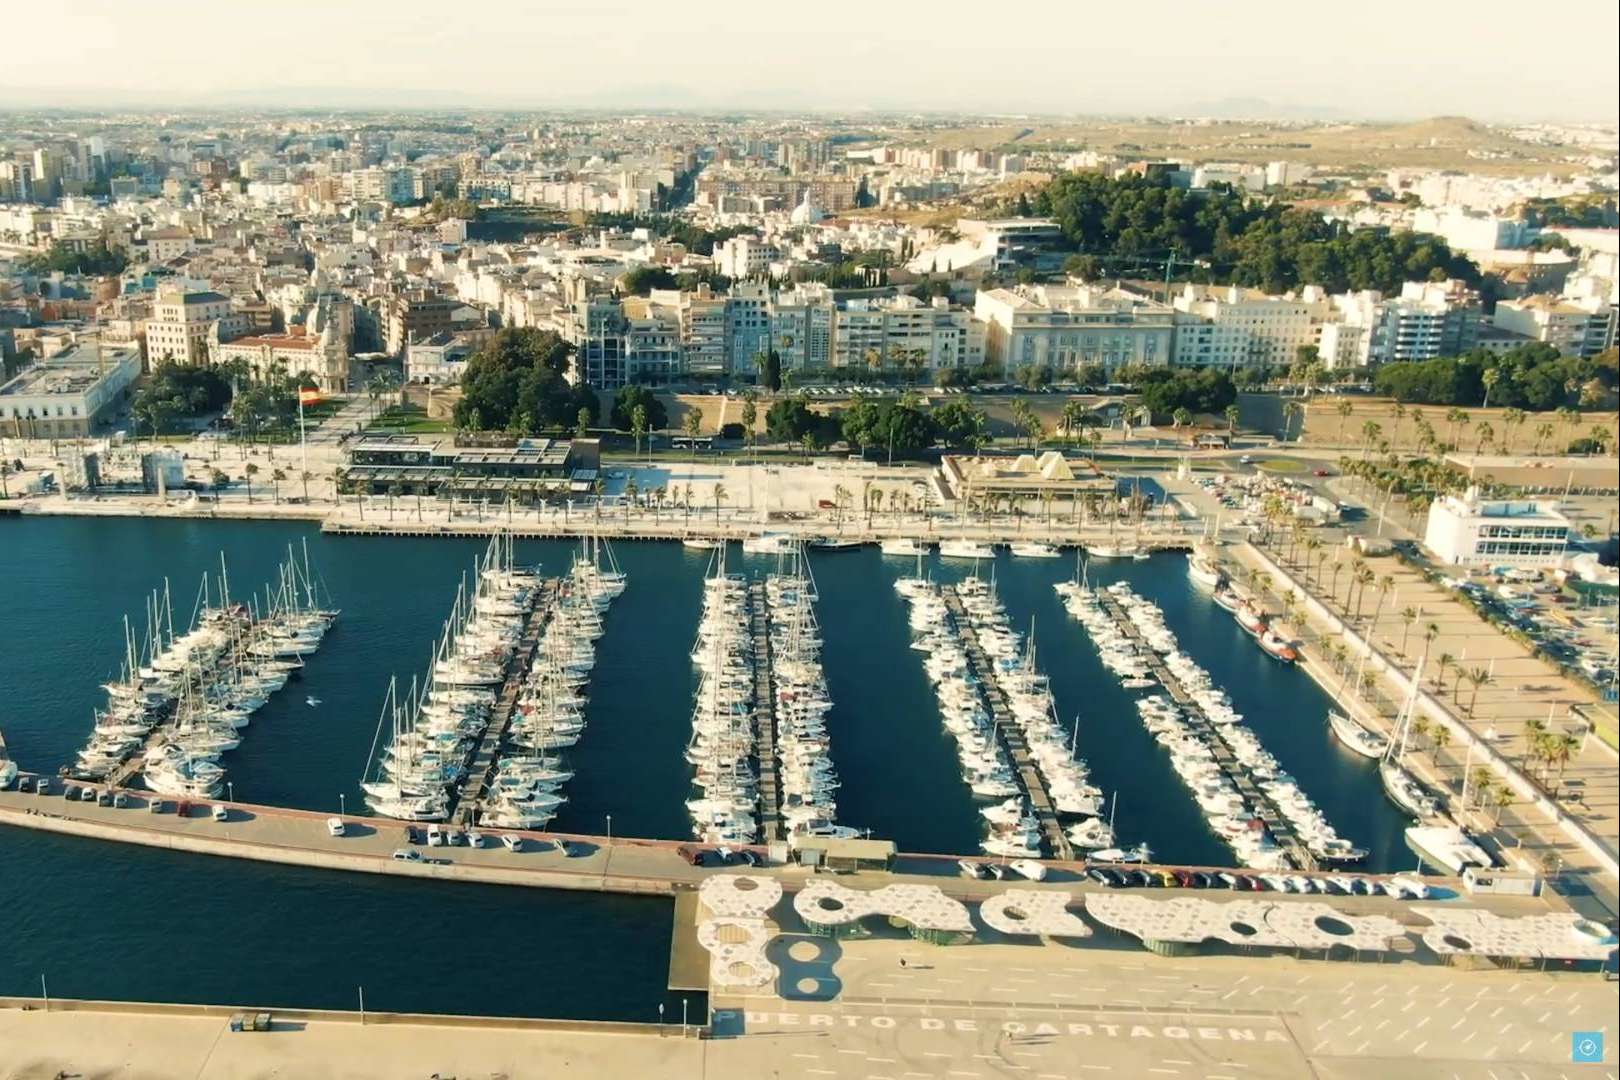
column 343, row 806
column 230, row 791
column 610, row 829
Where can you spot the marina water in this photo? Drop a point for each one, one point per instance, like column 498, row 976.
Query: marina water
column 238, row 931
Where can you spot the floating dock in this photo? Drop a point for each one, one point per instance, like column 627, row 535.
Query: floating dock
column 770, row 788
column 467, row 797
column 1282, row 831
column 1011, row 735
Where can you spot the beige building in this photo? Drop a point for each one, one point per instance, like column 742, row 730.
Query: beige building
column 179, row 326
column 1065, row 326
column 1574, row 328
column 1229, row 326
column 281, row 355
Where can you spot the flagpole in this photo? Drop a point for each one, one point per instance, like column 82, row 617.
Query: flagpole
column 303, row 446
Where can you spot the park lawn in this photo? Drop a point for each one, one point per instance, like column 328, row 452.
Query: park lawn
column 1282, row 465
column 409, row 419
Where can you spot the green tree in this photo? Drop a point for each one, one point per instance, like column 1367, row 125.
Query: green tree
column 625, row 403
column 517, row 380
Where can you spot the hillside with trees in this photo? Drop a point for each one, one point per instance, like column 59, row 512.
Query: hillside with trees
column 1224, row 236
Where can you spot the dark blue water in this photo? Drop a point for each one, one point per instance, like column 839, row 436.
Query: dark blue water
column 75, row 903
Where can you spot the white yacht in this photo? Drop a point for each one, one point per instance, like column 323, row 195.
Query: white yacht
column 1122, row 550
column 1031, row 550
column 965, row 549
column 768, row 543
column 903, row 545
column 1448, row 847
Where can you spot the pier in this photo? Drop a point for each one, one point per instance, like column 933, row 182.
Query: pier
column 467, row 797
column 1281, row 829
column 1012, row 737
column 770, row 790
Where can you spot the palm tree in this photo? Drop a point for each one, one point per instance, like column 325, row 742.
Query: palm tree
column 251, row 470
column 1482, row 786
column 394, row 490
column 1073, row 418
column 336, row 479
column 719, row 497
column 840, row 496
column 1445, row 659
column 1422, row 729
column 1385, row 584
column 1364, row 578
column 1504, row 799
column 1292, row 411
column 1490, row 377
column 1344, row 409
column 276, row 477
column 1231, row 421
column 1486, row 434
column 1369, row 435
column 1479, row 677
column 631, row 490
column 1534, row 730
column 1409, row 615
column 1560, row 749
column 1511, row 418
column 1442, row 739
column 1544, row 431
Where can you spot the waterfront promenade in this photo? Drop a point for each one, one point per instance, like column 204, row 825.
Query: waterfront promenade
column 997, row 1008
column 1573, row 837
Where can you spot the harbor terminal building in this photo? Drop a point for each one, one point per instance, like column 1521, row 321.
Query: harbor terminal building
column 1467, row 530
column 529, row 471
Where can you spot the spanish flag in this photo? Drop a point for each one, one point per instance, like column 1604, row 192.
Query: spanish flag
column 309, row 397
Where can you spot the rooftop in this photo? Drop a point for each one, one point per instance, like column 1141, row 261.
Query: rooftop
column 71, row 372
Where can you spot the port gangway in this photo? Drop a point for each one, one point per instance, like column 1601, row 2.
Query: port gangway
column 468, row 794
column 770, row 790
column 1281, row 829
column 1010, row 734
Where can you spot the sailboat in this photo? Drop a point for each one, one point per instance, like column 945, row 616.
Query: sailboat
column 1357, row 737
column 1401, row 786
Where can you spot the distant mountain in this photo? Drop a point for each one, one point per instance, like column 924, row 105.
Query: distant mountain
column 1248, row 108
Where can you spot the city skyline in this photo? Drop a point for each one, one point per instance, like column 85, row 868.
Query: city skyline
column 1264, row 64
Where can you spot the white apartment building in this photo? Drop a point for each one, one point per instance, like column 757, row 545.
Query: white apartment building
column 1067, row 326
column 801, row 327
column 165, row 244
column 1428, row 320
column 744, row 257
column 179, row 327
column 903, row 332
column 1467, row 230
column 1467, row 530
column 1573, row 327
column 1229, row 326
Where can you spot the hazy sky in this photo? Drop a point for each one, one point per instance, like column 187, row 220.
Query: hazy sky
column 1375, row 58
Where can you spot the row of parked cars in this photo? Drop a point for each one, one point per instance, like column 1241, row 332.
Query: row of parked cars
column 443, row 836
column 1525, row 601
column 78, row 791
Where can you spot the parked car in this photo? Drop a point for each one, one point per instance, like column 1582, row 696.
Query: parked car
column 407, row 855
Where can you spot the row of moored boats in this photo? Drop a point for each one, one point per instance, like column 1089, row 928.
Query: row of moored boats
column 183, row 699
column 1201, row 736
column 721, row 749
